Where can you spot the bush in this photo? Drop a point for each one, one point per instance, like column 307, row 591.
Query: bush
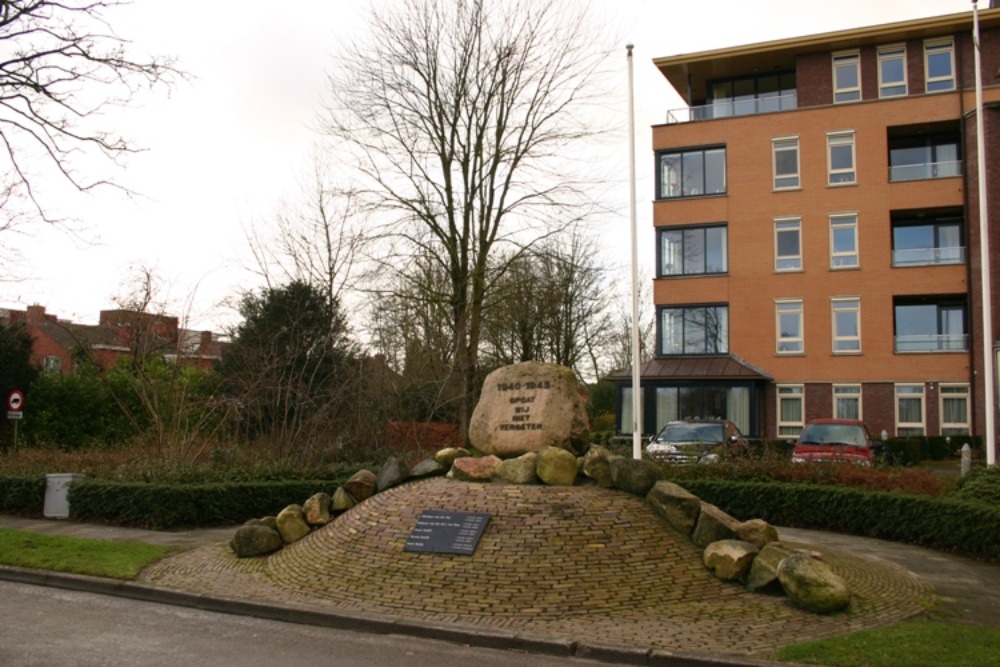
column 980, row 485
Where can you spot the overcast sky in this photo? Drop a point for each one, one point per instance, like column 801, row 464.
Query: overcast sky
column 226, row 149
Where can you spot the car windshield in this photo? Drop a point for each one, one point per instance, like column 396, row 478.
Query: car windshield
column 692, row 433
column 833, row 434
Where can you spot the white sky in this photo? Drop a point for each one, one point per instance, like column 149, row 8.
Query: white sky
column 226, row 149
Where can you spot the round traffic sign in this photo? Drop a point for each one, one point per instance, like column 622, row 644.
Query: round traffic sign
column 15, row 400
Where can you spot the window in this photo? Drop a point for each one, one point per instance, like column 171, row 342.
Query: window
column 693, row 251
column 954, row 409
column 786, row 163
column 694, row 330
column 788, row 245
column 693, row 172
column 840, row 158
column 922, row 155
column 939, row 65
column 930, row 325
column 922, row 239
column 846, row 325
column 625, row 423
column 846, row 76
column 892, row 70
column 843, row 241
column 788, row 319
column 847, row 401
column 791, row 410
column 758, row 93
column 909, row 409
column 51, row 365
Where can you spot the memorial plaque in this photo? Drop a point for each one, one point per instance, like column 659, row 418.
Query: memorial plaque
column 447, row 532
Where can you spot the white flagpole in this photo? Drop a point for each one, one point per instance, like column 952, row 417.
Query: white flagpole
column 636, row 392
column 984, row 251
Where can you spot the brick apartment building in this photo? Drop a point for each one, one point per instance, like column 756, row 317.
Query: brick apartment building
column 816, row 222
column 59, row 344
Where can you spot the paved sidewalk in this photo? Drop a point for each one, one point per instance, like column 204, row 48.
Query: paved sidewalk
column 579, row 571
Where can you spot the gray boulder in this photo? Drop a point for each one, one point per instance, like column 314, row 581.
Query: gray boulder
column 292, row 524
column 763, row 575
column 556, row 466
column 517, row 471
column 756, row 531
column 255, row 539
column 361, row 485
column 713, row 525
column 729, row 560
column 317, row 509
column 428, row 468
column 341, row 501
column 596, row 466
column 812, row 585
column 636, row 476
column 676, row 505
column 474, row 468
column 392, row 472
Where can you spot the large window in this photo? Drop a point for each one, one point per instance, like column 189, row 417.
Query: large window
column 625, row 417
column 910, row 410
column 931, row 324
column 954, row 409
column 786, row 163
column 759, row 93
column 843, row 241
column 705, row 401
column 920, row 155
column 693, row 172
column 694, row 330
column 693, row 251
column 939, row 65
column 846, row 325
column 791, row 410
column 788, row 244
column 927, row 238
column 847, row 401
column 788, row 323
column 892, row 70
column 840, row 158
column 846, row 76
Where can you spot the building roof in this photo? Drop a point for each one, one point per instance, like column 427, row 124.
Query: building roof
column 723, row 367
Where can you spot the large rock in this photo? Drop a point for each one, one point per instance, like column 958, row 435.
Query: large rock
column 729, row 560
column 428, row 468
column 517, row 471
column 636, row 476
column 474, row 468
column 317, row 509
column 676, row 505
column 763, row 575
column 757, row 531
column 556, row 466
column 342, row 500
column 713, row 525
column 448, row 455
column 812, row 585
column 255, row 539
column 361, row 485
column 292, row 524
column 528, row 406
column 392, row 472
column 596, row 466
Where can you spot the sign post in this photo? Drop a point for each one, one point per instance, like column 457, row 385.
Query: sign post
column 15, row 403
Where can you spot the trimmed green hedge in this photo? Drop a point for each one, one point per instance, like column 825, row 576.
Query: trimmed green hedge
column 970, row 528
column 20, row 494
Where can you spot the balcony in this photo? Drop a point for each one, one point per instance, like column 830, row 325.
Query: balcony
column 928, row 256
column 925, row 170
column 730, row 107
column 932, row 343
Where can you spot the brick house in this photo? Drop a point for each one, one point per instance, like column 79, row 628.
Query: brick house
column 816, row 231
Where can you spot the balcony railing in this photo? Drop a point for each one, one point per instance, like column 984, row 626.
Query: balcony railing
column 928, row 256
column 729, row 107
column 917, row 172
column 932, row 343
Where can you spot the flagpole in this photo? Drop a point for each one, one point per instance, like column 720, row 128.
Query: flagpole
column 636, row 392
column 984, row 250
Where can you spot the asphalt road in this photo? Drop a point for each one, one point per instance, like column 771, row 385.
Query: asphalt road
column 50, row 627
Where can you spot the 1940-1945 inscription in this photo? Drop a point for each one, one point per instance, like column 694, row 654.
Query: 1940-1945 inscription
column 522, row 419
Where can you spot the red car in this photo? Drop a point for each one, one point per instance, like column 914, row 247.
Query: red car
column 835, row 440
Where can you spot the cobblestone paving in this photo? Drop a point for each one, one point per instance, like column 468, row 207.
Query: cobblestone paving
column 555, row 562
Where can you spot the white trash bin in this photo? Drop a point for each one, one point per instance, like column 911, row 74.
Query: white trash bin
column 57, row 494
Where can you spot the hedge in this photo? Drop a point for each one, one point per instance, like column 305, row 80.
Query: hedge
column 18, row 494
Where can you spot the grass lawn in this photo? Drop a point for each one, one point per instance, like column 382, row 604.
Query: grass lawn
column 78, row 555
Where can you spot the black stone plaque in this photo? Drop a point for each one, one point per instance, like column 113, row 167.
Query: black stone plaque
column 447, row 532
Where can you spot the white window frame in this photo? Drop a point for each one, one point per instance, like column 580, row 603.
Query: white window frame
column 847, row 392
column 910, row 391
column 956, row 390
column 836, row 140
column 787, row 226
column 888, row 53
column 794, row 344
column 790, row 392
column 794, row 179
column 946, row 45
column 841, row 305
column 847, row 59
column 842, row 259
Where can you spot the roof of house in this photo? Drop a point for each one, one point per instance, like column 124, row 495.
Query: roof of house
column 722, row 367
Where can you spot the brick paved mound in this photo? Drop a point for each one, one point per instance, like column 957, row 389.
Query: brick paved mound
column 579, row 562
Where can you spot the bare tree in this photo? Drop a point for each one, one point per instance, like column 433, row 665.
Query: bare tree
column 461, row 117
column 62, row 65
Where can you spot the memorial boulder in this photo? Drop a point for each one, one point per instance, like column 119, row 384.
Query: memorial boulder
column 528, row 406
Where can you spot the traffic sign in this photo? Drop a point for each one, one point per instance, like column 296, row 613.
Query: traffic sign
column 15, row 401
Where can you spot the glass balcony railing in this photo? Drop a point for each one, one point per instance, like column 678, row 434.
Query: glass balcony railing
column 932, row 343
column 728, row 108
column 917, row 172
column 928, row 256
